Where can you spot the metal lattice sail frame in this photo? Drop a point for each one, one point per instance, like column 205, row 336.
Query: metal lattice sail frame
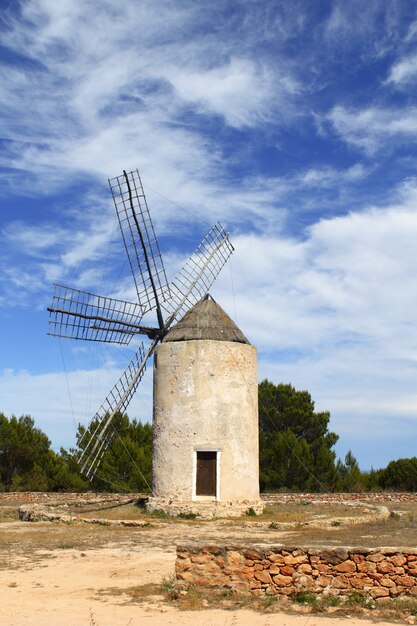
column 85, row 316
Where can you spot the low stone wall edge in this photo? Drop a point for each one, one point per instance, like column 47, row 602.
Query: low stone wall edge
column 286, row 570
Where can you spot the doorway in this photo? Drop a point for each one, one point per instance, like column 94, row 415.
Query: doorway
column 206, row 475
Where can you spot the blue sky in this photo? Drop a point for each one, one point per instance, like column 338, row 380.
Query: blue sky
column 293, row 123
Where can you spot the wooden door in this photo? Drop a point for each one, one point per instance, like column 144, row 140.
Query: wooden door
column 206, row 473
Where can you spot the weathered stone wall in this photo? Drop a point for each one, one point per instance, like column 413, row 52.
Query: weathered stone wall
column 380, row 496
column 380, row 573
column 205, row 398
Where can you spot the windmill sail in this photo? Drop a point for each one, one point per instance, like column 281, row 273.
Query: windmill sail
column 82, row 315
column 140, row 240
column 117, row 401
column 198, row 274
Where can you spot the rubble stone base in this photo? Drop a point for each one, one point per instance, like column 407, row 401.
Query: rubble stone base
column 205, row 509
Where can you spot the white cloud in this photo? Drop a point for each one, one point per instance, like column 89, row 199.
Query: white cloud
column 241, row 91
column 404, row 71
column 331, row 177
column 412, row 32
column 373, row 128
column 96, row 97
column 335, row 314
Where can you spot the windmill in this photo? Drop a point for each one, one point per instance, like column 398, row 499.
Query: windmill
column 86, row 316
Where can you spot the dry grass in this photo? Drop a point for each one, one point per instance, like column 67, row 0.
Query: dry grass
column 196, row 599
column 398, row 530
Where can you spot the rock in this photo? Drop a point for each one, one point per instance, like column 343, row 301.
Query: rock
column 278, row 559
column 340, row 582
column 263, row 577
column 367, row 568
column 253, row 555
column 384, row 567
column 282, row 581
column 234, row 558
column 295, row 560
column 378, row 592
column 201, row 558
column 406, row 581
column 334, row 556
column 323, row 568
column 360, row 581
column 347, row 567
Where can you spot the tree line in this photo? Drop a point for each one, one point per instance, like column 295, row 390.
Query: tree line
column 295, row 449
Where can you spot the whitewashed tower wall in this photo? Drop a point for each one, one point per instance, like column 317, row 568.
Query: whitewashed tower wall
column 205, row 401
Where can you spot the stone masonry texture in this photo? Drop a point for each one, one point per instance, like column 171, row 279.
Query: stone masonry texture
column 379, row 573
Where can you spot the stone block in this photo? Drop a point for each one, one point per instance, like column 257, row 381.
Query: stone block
column 385, row 567
column 215, row 550
column 278, row 559
column 347, row 567
column 367, row 568
column 295, row 560
column 253, row 555
column 357, row 558
column 360, row 581
column 323, row 568
column 182, row 565
column 263, row 577
column 405, row 581
column 201, row 558
column 303, row 581
column 282, row 581
column 334, row 556
column 378, row 592
column 234, row 558
column 340, row 582
column 298, row 552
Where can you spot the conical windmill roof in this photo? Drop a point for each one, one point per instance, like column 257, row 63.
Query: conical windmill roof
column 206, row 320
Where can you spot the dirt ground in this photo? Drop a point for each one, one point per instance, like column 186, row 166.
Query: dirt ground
column 78, row 574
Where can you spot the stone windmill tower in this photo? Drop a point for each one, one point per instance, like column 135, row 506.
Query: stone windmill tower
column 205, row 414
column 205, row 428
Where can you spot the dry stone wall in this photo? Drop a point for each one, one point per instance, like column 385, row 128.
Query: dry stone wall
column 379, row 573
